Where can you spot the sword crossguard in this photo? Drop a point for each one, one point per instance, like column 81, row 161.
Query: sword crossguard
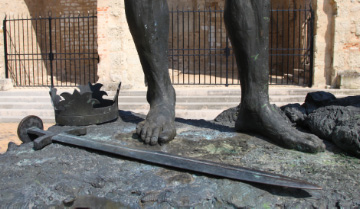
column 45, row 137
column 30, row 129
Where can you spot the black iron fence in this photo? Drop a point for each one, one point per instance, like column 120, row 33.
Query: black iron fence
column 200, row 52
column 62, row 51
column 56, row 51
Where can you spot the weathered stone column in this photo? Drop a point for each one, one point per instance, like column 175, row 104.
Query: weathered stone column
column 324, row 42
column 337, row 41
column 119, row 60
column 346, row 71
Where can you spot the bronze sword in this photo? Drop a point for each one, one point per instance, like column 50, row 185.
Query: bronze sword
column 169, row 160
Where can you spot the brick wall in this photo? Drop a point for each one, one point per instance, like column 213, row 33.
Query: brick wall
column 119, row 60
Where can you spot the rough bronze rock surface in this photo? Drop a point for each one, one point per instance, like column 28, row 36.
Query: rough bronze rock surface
column 337, row 124
column 330, row 118
column 62, row 176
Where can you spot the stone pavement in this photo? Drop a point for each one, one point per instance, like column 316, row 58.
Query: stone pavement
column 8, row 133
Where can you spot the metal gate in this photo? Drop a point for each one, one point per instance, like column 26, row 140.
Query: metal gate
column 51, row 51
column 200, row 52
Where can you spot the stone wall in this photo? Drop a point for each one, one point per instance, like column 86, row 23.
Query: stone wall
column 324, row 42
column 346, row 38
column 119, row 60
column 15, row 7
column 337, row 40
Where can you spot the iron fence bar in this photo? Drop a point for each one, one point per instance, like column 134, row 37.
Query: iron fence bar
column 12, row 74
column 215, row 45
column 60, row 50
column 188, row 17
column 204, row 46
column 178, row 40
column 5, row 49
column 183, row 43
column 79, row 48
column 199, row 43
column 74, row 50
column 221, row 38
column 282, row 43
column 46, row 49
column 294, row 44
column 194, row 41
column 51, row 54
column 18, row 55
column 66, row 56
column 172, row 46
column 56, row 50
column 32, row 53
column 305, row 43
column 15, row 50
column 37, row 50
column 299, row 42
column 311, row 47
column 93, row 49
column 209, row 50
column 288, row 51
column 271, row 46
column 88, row 33
column 24, row 63
column 277, row 44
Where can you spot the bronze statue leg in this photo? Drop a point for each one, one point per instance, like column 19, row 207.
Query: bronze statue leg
column 247, row 22
column 149, row 25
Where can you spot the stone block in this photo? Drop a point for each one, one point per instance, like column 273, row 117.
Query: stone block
column 349, row 80
column 5, row 84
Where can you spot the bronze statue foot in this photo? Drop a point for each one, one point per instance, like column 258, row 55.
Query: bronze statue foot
column 159, row 125
column 271, row 124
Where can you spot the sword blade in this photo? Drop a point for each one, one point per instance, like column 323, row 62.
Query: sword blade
column 189, row 164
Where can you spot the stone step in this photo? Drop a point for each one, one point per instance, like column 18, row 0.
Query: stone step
column 123, row 106
column 189, row 111
column 199, row 103
column 140, row 102
column 186, row 92
column 17, row 119
column 141, row 99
